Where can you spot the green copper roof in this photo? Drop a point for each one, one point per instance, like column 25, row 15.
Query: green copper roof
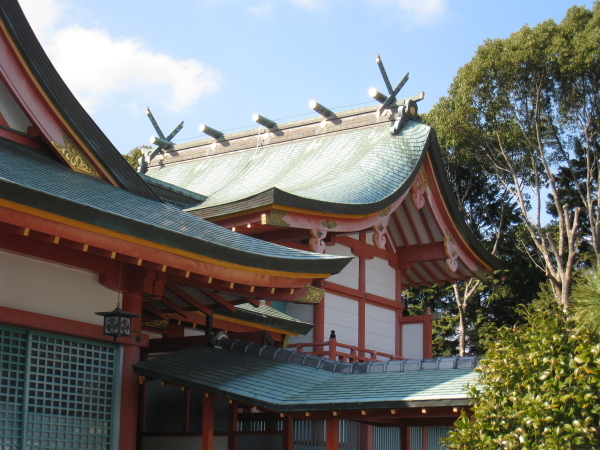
column 354, row 171
column 282, row 380
column 266, row 315
column 38, row 181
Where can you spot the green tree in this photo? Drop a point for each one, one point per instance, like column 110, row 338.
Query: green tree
column 539, row 387
column 134, row 155
column 586, row 301
column 520, row 107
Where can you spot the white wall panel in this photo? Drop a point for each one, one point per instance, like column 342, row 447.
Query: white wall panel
column 380, row 329
column 305, row 313
column 12, row 112
column 412, row 340
column 349, row 276
column 380, row 278
column 46, row 288
column 341, row 315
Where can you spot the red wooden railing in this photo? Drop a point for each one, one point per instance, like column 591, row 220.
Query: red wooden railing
column 342, row 352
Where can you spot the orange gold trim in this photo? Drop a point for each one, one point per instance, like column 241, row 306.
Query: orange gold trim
column 162, row 247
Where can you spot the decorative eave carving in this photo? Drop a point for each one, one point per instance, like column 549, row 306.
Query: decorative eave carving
column 419, row 189
column 315, row 295
column 158, row 323
column 379, row 239
column 75, row 157
column 274, row 218
column 317, row 241
column 451, row 251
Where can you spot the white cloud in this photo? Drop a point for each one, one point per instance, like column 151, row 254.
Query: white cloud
column 421, row 11
column 95, row 65
column 312, row 5
column 263, row 10
column 103, row 71
column 43, row 16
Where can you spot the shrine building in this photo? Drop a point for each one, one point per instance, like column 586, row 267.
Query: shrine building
column 242, row 291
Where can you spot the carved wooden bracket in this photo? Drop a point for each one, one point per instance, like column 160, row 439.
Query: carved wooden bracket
column 379, row 239
column 450, row 250
column 419, row 189
column 317, row 241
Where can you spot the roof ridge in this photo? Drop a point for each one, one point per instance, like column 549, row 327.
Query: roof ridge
column 324, row 363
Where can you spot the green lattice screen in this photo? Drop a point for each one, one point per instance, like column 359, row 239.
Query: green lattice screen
column 55, row 392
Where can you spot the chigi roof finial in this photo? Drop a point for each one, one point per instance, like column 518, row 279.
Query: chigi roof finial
column 161, row 141
column 387, row 101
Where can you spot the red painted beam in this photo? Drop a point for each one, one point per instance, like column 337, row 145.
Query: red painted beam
column 145, row 253
column 191, row 300
column 220, row 300
column 208, row 422
column 51, row 324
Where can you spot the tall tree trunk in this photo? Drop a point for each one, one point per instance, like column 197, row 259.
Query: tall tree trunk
column 462, row 301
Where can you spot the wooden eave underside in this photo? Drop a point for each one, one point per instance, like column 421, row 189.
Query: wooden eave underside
column 416, row 236
column 172, row 286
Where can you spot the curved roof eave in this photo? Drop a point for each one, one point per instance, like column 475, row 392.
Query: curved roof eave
column 282, row 198
column 454, row 210
column 62, row 98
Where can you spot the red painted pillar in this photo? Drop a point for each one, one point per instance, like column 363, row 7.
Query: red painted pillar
column 332, row 434
column 404, row 438
column 332, row 349
column 288, row 433
column 362, row 325
column 208, row 422
column 366, row 437
column 232, row 437
column 129, row 380
column 425, row 437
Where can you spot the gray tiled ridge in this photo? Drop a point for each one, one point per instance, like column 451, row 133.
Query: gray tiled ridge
column 324, row 363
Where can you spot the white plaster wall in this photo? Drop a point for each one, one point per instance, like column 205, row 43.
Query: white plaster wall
column 180, row 443
column 412, row 340
column 380, row 329
column 380, row 278
column 45, row 288
column 341, row 315
column 349, row 276
column 305, row 313
column 11, row 111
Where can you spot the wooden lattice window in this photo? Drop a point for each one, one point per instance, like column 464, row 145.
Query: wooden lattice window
column 56, row 391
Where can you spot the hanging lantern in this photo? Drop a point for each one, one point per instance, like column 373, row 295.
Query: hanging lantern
column 117, row 323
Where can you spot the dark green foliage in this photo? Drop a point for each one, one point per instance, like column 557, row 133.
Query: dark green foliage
column 525, row 111
column 539, row 387
column 135, row 154
column 586, row 301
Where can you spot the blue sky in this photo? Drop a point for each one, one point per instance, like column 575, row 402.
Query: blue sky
column 219, row 61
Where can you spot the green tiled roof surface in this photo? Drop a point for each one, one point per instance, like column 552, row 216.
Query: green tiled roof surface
column 355, row 171
column 266, row 315
column 38, row 181
column 283, row 386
